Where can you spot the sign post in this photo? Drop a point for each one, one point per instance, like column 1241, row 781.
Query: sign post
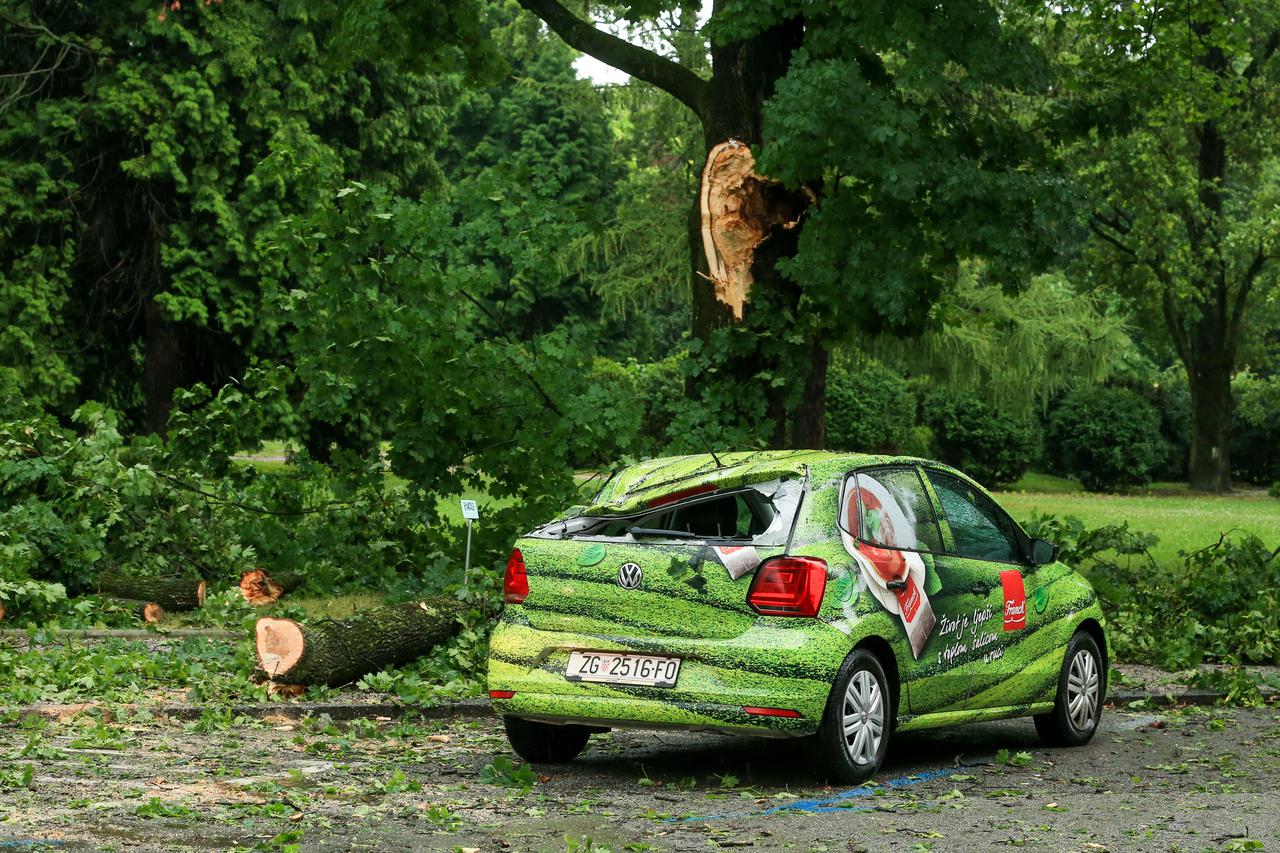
column 470, row 512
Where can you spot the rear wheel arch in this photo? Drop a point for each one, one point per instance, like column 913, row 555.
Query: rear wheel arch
column 1093, row 628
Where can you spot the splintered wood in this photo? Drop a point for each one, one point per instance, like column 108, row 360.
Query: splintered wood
column 260, row 589
column 739, row 210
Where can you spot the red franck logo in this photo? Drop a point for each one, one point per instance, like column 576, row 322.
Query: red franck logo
column 1015, row 601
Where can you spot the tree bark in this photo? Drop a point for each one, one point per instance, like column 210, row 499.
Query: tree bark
column 161, row 366
column 809, row 424
column 173, row 593
column 1212, row 406
column 339, row 652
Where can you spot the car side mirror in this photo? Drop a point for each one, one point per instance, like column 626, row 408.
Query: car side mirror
column 1042, row 552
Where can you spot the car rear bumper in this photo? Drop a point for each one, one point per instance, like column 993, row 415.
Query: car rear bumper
column 787, row 667
column 624, row 713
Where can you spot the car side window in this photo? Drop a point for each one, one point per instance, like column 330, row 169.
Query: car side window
column 980, row 528
column 889, row 507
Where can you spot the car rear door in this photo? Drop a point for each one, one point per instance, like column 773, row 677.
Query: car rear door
column 985, row 557
column 890, row 528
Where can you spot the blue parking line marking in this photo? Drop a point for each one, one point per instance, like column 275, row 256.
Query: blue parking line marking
column 832, row 803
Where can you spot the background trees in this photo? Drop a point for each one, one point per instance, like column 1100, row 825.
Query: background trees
column 1180, row 172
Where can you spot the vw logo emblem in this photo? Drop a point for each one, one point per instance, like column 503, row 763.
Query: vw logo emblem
column 629, row 576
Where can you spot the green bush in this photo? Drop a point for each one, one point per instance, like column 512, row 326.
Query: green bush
column 1255, row 436
column 989, row 445
column 1220, row 604
column 74, row 502
column 870, row 408
column 1107, row 438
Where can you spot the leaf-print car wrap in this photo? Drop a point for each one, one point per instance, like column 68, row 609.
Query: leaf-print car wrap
column 691, row 603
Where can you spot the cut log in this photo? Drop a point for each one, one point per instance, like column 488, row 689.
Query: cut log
column 261, row 589
column 336, row 652
column 173, row 594
column 147, row 611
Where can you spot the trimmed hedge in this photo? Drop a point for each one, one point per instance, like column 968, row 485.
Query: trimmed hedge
column 870, row 408
column 989, row 445
column 1106, row 437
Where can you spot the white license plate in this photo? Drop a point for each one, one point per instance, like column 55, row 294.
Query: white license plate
column 617, row 668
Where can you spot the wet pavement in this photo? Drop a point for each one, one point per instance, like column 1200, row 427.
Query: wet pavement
column 1195, row 779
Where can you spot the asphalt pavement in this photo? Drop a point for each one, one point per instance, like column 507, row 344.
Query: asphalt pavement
column 1203, row 778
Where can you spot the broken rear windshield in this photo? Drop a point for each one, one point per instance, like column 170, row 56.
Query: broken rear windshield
column 760, row 514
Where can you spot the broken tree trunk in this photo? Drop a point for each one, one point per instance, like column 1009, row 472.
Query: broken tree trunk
column 173, row 594
column 336, row 652
column 261, row 589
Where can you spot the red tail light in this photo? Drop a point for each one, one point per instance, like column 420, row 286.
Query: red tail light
column 515, row 584
column 501, row 694
column 788, row 586
column 772, row 712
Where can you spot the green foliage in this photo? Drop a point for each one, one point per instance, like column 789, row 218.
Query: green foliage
column 939, row 168
column 74, row 503
column 986, row 443
column 1016, row 350
column 126, row 671
column 502, row 771
column 1219, row 605
column 1255, row 441
column 870, row 408
column 142, row 168
column 1179, row 170
column 1107, row 437
column 1081, row 546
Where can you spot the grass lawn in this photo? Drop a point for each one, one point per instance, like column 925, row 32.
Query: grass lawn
column 1183, row 522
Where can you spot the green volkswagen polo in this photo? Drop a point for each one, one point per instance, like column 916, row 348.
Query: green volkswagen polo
column 833, row 597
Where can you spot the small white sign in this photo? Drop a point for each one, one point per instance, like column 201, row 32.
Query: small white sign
column 470, row 510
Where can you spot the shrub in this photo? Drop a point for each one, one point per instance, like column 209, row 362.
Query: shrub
column 1107, row 438
column 1255, row 438
column 869, row 408
column 989, row 445
column 1220, row 604
column 74, row 502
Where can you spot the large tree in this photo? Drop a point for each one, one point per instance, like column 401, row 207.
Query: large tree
column 142, row 157
column 1183, row 174
column 897, row 135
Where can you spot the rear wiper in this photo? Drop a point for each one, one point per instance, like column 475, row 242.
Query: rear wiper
column 669, row 534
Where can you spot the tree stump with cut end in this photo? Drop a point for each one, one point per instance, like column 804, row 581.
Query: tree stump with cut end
column 336, row 652
column 261, row 589
column 172, row 594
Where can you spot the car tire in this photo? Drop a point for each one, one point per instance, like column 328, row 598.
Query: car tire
column 544, row 743
column 1082, row 687
column 854, row 735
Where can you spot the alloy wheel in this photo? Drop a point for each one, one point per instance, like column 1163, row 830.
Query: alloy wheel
column 863, row 717
column 1082, row 690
